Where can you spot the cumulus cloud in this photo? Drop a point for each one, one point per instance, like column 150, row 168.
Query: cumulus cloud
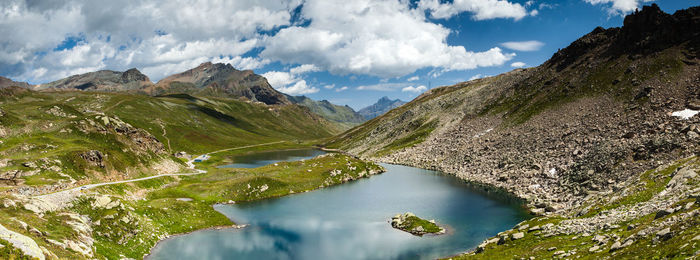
column 518, row 64
column 477, row 76
column 299, row 88
column 383, row 86
column 155, row 36
column 414, row 78
column 291, row 82
column 379, row 38
column 619, row 6
column 524, row 45
column 481, row 9
column 344, row 88
column 413, row 89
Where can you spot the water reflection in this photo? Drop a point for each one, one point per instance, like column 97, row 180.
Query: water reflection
column 264, row 158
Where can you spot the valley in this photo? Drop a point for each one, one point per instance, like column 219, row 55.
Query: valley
column 593, row 154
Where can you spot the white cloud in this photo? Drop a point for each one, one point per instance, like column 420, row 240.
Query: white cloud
column 414, row 78
column 481, row 9
column 331, row 86
column 477, row 76
column 299, row 88
column 413, row 89
column 301, row 69
column 518, row 64
column 154, row 36
column 619, row 6
column 291, row 82
column 344, row 88
column 524, row 45
column 383, row 86
column 379, row 38
column 388, row 38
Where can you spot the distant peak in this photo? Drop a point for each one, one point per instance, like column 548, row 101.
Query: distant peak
column 205, row 64
column 133, row 74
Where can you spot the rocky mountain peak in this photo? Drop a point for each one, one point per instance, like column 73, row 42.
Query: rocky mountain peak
column 643, row 32
column 132, row 75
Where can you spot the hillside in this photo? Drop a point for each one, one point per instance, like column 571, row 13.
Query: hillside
column 344, row 115
column 5, row 82
column 382, row 106
column 577, row 138
column 87, row 136
column 103, row 80
column 220, row 80
column 53, row 144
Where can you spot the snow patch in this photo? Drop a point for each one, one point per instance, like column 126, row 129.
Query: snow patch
column 483, row 133
column 685, row 114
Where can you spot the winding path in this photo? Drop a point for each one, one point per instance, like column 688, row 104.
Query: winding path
column 190, row 165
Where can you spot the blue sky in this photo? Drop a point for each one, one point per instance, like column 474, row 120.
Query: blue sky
column 348, row 52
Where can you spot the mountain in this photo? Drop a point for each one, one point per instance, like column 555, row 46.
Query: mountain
column 5, row 82
column 221, row 80
column 103, row 80
column 594, row 136
column 343, row 115
column 383, row 105
column 207, row 79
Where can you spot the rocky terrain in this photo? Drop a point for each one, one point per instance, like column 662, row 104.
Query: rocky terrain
column 584, row 125
column 382, row 106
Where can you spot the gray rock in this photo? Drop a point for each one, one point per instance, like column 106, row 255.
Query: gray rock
column 518, row 235
column 662, row 213
column 664, row 234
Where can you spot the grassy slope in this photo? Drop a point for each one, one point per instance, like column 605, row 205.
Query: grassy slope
column 182, row 123
column 681, row 245
column 153, row 211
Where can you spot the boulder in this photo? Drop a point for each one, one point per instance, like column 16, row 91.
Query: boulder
column 664, row 234
column 518, row 235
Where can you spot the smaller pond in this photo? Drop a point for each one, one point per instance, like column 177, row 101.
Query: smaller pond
column 264, row 158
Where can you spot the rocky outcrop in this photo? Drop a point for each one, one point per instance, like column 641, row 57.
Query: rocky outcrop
column 94, row 158
column 27, row 245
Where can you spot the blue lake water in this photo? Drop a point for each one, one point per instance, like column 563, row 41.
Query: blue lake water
column 350, row 221
column 255, row 160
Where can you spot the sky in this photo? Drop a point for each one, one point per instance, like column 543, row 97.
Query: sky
column 348, row 52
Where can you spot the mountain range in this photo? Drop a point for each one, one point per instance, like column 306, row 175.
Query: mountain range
column 382, row 106
column 208, row 79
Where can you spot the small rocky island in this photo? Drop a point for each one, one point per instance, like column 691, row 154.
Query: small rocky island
column 417, row 226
